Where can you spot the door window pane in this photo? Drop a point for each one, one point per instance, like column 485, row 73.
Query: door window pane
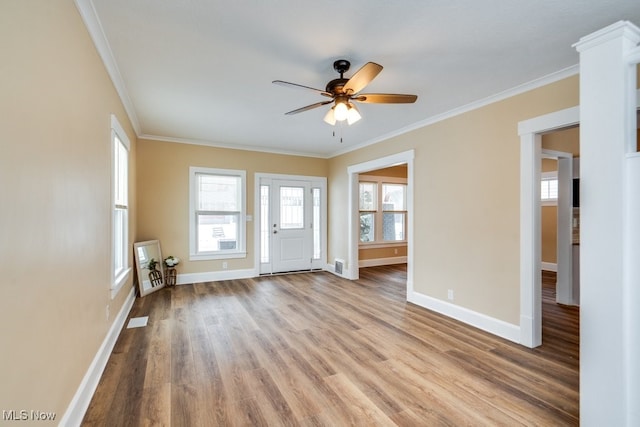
column 265, row 230
column 291, row 208
column 317, row 244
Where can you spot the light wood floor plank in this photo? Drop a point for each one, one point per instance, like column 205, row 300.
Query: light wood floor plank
column 314, row 349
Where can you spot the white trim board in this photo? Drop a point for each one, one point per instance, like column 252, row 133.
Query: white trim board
column 375, row 262
column 80, row 403
column 549, row 266
column 481, row 321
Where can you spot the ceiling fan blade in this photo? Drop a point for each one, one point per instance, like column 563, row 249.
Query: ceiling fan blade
column 385, row 98
column 309, row 107
column 297, row 86
column 362, row 77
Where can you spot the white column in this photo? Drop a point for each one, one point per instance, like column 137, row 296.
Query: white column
column 607, row 82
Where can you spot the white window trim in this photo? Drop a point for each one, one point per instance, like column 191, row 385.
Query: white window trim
column 240, row 251
column 117, row 282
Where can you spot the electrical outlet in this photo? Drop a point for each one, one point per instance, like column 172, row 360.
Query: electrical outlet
column 450, row 294
column 395, row 251
column 107, row 313
column 224, row 265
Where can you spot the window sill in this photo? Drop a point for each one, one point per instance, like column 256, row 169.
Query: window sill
column 375, row 245
column 225, row 255
column 119, row 282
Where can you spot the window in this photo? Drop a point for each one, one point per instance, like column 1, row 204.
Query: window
column 383, row 212
column 368, row 210
column 549, row 187
column 217, row 220
column 120, row 202
column 394, row 211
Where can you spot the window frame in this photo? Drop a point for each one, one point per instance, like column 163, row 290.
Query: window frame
column 240, row 250
column 378, row 213
column 119, row 202
column 372, row 212
column 548, row 176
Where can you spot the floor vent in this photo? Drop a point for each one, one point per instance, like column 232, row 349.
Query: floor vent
column 138, row 322
column 339, row 263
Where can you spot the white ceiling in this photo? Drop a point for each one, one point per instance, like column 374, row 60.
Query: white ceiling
column 201, row 70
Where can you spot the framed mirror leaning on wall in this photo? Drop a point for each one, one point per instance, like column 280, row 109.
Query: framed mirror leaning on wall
column 149, row 266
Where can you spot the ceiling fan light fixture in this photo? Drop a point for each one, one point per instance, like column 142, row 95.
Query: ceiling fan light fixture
column 330, row 117
column 353, row 115
column 341, row 111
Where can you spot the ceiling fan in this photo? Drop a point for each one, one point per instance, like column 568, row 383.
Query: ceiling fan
column 343, row 91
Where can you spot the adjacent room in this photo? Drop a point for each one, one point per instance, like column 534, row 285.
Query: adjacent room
column 285, row 213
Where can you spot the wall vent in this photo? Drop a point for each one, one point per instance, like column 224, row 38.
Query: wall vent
column 339, row 263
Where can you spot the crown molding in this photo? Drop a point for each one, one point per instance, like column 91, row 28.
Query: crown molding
column 230, row 146
column 525, row 87
column 89, row 16
column 94, row 27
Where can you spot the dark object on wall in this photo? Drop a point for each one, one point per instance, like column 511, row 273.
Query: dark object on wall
column 576, row 192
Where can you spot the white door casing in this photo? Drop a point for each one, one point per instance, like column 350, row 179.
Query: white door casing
column 291, row 225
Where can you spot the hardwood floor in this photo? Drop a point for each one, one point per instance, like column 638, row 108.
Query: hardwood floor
column 317, row 350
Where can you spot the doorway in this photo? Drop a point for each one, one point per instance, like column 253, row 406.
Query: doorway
column 291, row 226
column 530, row 132
column 354, row 172
column 557, row 196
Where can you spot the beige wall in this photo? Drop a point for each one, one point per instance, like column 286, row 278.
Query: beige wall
column 55, row 219
column 163, row 201
column 566, row 140
column 384, row 252
column 466, row 217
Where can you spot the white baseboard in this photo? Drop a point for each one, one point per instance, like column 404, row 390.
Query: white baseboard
column 549, row 266
column 214, row 276
column 81, row 400
column 375, row 262
column 481, row 321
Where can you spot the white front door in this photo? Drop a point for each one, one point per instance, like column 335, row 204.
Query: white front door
column 292, row 228
column 292, row 223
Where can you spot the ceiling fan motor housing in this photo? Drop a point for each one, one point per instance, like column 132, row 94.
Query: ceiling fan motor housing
column 335, row 86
